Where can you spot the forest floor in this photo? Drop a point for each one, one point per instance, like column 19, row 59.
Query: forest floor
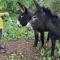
column 24, row 50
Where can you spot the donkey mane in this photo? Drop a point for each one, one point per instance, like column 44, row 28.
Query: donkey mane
column 46, row 10
column 49, row 13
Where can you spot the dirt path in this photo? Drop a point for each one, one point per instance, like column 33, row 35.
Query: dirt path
column 23, row 48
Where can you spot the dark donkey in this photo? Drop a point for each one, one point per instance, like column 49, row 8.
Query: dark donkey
column 24, row 17
column 44, row 20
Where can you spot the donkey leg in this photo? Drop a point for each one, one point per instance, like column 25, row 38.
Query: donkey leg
column 48, row 37
column 42, row 38
column 53, row 41
column 36, row 39
column 47, row 40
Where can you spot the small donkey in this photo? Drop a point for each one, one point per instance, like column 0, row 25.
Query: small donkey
column 24, row 17
column 44, row 20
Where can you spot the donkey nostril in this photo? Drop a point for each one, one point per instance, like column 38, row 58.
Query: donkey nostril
column 29, row 27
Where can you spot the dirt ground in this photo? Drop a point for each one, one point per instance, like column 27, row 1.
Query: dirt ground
column 24, row 48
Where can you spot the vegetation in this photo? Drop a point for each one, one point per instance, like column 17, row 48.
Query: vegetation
column 11, row 31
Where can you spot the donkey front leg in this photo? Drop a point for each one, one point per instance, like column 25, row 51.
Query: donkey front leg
column 36, row 38
column 42, row 38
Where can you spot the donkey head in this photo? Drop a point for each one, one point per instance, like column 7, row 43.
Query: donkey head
column 24, row 16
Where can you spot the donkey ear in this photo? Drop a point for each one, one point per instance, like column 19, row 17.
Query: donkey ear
column 21, row 5
column 37, row 5
column 23, row 8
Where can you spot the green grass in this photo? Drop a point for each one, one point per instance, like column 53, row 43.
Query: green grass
column 12, row 32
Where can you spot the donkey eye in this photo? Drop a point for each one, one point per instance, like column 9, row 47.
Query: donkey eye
column 34, row 17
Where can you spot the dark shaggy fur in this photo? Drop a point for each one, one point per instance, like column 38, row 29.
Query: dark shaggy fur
column 44, row 20
column 27, row 15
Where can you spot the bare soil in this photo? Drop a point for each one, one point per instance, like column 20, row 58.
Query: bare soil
column 25, row 49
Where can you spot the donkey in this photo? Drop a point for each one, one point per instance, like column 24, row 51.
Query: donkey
column 24, row 17
column 44, row 20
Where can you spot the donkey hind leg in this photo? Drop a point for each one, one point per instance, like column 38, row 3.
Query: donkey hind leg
column 53, row 41
column 36, row 38
column 42, row 38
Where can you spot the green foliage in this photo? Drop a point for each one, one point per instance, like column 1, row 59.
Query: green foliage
column 56, row 6
column 12, row 6
column 27, row 3
column 12, row 32
column 12, row 57
column 57, row 52
column 47, row 3
column 2, row 5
